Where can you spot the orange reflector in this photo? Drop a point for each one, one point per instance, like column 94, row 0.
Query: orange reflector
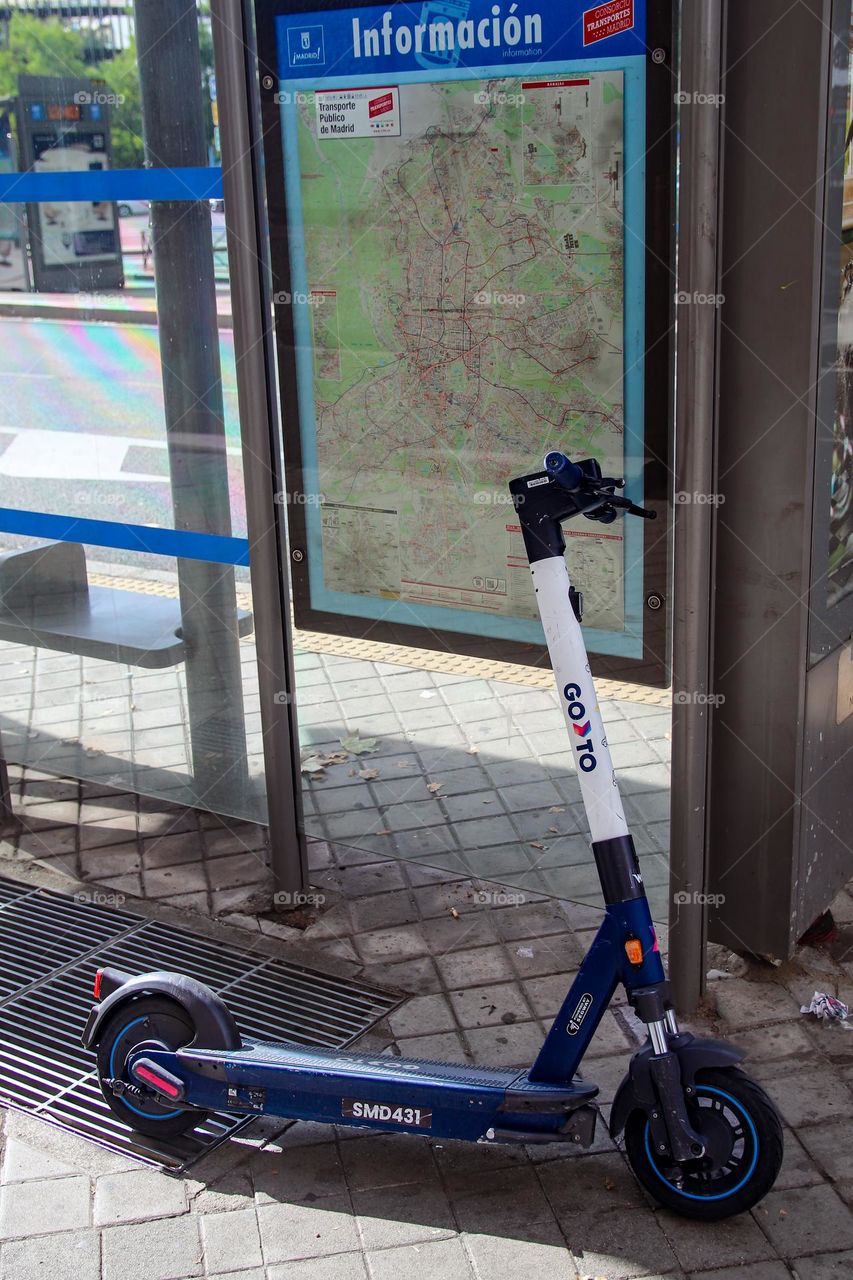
column 634, row 951
column 96, row 990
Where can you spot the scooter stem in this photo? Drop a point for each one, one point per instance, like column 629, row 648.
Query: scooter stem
column 578, row 699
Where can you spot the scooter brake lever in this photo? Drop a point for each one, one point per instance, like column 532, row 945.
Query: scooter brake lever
column 630, row 508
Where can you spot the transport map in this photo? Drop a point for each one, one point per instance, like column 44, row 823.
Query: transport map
column 464, row 251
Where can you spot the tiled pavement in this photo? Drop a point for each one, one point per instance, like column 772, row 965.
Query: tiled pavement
column 485, row 974
column 469, row 775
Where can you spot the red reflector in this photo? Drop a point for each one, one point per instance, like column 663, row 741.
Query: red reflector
column 96, row 990
column 159, row 1083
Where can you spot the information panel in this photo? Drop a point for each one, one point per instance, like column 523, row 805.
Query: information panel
column 63, row 128
column 458, row 199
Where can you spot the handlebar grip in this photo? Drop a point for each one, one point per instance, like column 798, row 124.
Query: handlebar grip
column 567, row 473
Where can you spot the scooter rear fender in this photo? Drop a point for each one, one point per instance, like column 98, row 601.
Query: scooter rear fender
column 214, row 1024
column 636, row 1092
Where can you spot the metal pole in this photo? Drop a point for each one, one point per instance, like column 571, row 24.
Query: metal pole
column 8, row 821
column 695, row 468
column 174, row 128
column 239, row 121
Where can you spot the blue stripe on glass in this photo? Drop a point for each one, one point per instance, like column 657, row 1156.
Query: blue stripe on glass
column 177, row 543
column 113, row 184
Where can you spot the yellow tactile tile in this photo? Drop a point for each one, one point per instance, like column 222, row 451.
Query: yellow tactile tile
column 420, row 659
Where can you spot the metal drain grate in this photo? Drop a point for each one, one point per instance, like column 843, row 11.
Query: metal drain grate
column 50, row 947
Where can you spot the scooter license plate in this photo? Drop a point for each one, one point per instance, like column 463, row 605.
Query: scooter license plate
column 387, row 1113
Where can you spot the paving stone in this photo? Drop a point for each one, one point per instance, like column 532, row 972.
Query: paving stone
column 164, row 1249
column 813, row 1217
column 171, row 849
column 743, row 1004
column 391, row 944
column 599, row 1181
column 798, row 1168
column 831, row 1146
column 610, row 1037
column 805, row 1096
column 422, row 1015
column 435, row 1260
column 23, row 1163
column 473, row 968
column 22, row 1206
column 535, row 1253
column 316, row 1172
column 515, row 1045
column 447, row 1046
column 458, row 1162
column 160, row 882
column 783, row 1040
column 770, row 1270
column 491, row 1005
column 83, row 1157
column 237, row 870
column 339, row 1266
column 293, row 1231
column 501, row 1200
column 382, row 1160
column 618, row 1244
column 410, row 1213
column 231, row 1241
column 141, row 1193
column 73, row 1253
column 732, row 1242
column 448, row 933
column 828, row 1266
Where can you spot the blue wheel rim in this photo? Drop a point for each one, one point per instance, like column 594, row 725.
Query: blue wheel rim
column 723, row 1195
column 167, row 1115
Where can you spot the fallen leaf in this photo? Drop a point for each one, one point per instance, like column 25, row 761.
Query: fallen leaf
column 434, row 787
column 385, row 832
column 368, row 773
column 313, row 764
column 356, row 745
column 554, row 830
column 609, row 1184
column 535, row 844
column 454, row 913
column 557, row 808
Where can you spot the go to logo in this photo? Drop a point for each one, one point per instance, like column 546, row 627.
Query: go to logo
column 582, row 727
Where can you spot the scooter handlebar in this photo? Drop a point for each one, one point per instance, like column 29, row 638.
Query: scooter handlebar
column 586, row 478
column 568, row 473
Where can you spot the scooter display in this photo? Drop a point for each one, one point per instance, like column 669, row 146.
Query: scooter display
column 700, row 1135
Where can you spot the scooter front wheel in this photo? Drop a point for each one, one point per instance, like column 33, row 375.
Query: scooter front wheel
column 742, row 1133
column 153, row 1022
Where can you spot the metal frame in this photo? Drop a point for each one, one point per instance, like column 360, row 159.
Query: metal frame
column 652, row 668
column 256, row 393
column 829, row 623
column 701, row 51
column 775, row 741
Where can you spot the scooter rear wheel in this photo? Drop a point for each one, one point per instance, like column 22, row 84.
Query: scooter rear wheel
column 743, row 1139
column 156, row 1022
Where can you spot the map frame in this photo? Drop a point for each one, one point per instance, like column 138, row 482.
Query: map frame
column 640, row 654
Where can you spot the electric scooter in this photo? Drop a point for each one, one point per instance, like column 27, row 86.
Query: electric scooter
column 700, row 1135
